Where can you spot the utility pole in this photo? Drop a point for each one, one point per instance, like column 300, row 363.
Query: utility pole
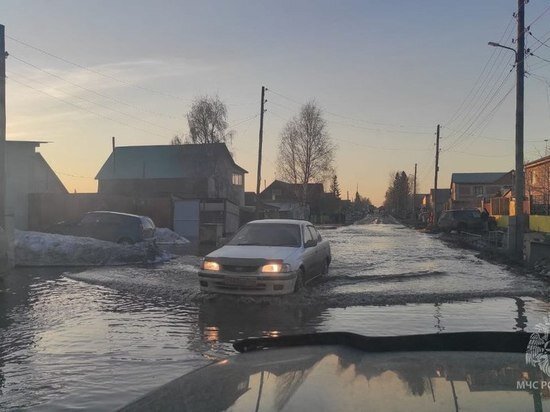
column 434, row 200
column 2, row 129
column 261, row 139
column 517, row 222
column 520, row 178
column 5, row 247
column 414, row 193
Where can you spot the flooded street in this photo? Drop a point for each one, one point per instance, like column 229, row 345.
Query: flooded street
column 99, row 338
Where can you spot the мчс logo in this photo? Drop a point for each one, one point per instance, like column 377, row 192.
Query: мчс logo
column 538, row 348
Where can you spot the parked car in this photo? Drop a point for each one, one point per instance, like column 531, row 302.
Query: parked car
column 110, row 226
column 465, row 220
column 267, row 257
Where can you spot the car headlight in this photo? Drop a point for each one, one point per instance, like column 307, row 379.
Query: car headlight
column 209, row 265
column 276, row 268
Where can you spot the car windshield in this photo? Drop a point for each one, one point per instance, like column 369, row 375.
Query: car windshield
column 268, row 234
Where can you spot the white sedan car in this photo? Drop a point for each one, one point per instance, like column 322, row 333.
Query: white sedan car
column 267, row 257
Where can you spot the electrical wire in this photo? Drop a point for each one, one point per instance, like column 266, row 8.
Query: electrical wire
column 480, row 76
column 84, row 109
column 99, row 73
column 106, row 107
column 118, row 101
column 295, row 101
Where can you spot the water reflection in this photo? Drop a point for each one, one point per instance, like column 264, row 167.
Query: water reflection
column 317, row 378
column 227, row 319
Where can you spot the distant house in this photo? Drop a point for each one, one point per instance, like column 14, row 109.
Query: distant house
column 441, row 197
column 27, row 172
column 537, row 185
column 284, row 200
column 469, row 189
column 205, row 171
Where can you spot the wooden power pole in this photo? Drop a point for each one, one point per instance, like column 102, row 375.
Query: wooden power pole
column 520, row 178
column 261, row 140
column 434, row 200
column 2, row 129
column 414, row 193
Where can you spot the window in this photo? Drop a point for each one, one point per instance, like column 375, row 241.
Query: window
column 266, row 234
column 478, row 190
column 315, row 233
column 237, row 179
column 307, row 235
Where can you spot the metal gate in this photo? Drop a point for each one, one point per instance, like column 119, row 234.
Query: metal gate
column 186, row 219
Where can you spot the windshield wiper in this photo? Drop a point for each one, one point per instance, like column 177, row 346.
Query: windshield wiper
column 460, row 341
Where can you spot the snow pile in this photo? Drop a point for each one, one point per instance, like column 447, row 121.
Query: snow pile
column 167, row 236
column 47, row 249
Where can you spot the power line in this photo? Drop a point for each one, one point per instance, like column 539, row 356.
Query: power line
column 537, row 39
column 538, row 57
column 468, row 129
column 485, row 121
column 109, row 108
column 479, row 154
column 354, row 125
column 546, row 10
column 90, row 90
column 480, row 76
column 295, row 101
column 360, row 144
column 108, row 76
column 84, row 109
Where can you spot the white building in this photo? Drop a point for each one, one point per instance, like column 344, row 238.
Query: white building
column 27, row 172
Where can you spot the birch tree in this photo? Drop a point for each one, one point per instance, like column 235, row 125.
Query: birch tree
column 306, row 151
column 207, row 121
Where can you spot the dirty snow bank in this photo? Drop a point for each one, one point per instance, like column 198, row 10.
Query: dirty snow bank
column 167, row 236
column 47, row 249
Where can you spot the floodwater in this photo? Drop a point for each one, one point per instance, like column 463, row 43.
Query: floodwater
column 99, row 338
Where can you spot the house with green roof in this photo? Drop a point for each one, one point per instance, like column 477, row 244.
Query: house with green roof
column 200, row 171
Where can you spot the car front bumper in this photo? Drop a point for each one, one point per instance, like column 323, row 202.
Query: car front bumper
column 250, row 284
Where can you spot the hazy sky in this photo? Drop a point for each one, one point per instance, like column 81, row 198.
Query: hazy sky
column 385, row 72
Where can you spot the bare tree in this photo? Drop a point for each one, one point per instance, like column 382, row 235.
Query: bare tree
column 306, row 152
column 176, row 140
column 207, row 121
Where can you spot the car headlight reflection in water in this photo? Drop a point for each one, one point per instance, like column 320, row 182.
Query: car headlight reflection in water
column 209, row 265
column 276, row 267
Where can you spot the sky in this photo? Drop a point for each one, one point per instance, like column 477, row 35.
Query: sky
column 385, row 74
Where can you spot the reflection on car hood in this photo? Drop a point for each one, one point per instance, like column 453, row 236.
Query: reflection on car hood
column 343, row 378
column 253, row 252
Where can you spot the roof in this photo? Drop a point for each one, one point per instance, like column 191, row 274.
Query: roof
column 163, row 162
column 542, row 160
column 482, row 178
column 29, row 142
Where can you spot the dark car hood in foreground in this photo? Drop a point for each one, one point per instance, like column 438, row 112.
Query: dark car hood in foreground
column 341, row 377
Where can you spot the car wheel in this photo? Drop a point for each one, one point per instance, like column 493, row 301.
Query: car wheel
column 299, row 284
column 125, row 241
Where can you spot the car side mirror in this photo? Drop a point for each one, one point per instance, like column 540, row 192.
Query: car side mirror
column 311, row 243
column 223, row 241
